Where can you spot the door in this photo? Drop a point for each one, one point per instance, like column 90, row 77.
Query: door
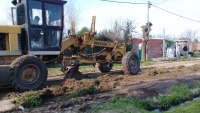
column 36, row 26
column 53, row 28
column 45, row 26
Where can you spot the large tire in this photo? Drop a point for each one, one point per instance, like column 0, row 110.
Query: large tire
column 130, row 63
column 27, row 72
column 105, row 67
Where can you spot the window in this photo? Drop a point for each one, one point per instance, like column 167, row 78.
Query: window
column 37, row 38
column 20, row 14
column 35, row 13
column 53, row 15
column 53, row 38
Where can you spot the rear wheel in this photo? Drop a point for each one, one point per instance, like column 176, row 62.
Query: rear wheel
column 27, row 73
column 130, row 63
column 105, row 67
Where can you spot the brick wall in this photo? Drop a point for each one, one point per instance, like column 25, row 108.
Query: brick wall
column 196, row 47
column 154, row 47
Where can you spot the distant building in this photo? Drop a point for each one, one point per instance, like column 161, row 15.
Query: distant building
column 187, row 41
column 155, row 46
column 196, row 47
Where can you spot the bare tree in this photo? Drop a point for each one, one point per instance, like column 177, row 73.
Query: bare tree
column 145, row 38
column 8, row 19
column 191, row 34
column 119, row 29
column 114, row 29
column 71, row 13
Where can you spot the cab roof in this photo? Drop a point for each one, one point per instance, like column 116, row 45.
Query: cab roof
column 15, row 2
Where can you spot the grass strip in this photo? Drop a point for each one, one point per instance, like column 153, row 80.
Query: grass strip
column 179, row 93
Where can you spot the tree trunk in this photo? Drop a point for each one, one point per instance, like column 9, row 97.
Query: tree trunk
column 143, row 50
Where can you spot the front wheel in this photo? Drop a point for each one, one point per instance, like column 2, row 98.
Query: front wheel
column 27, row 72
column 105, row 67
column 130, row 63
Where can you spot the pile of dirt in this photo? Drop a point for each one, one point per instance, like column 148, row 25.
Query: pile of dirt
column 109, row 82
column 115, row 83
column 75, row 85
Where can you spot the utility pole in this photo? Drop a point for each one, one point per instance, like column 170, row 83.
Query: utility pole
column 163, row 43
column 130, row 36
column 148, row 6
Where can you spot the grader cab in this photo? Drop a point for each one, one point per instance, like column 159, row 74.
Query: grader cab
column 36, row 39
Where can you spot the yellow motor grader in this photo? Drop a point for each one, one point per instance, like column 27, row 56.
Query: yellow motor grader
column 36, row 38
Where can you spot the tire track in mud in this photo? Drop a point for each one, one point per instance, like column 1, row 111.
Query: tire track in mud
column 114, row 74
column 142, row 85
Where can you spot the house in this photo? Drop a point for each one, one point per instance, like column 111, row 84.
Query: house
column 187, row 41
column 196, row 47
column 169, row 44
column 155, row 46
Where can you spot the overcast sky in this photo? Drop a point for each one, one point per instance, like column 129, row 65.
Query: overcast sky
column 106, row 11
column 173, row 25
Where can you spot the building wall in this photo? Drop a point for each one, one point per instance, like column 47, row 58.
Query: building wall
column 196, row 47
column 154, row 47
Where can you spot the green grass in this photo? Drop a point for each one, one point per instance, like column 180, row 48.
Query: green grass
column 56, row 71
column 181, row 59
column 144, row 63
column 196, row 55
column 186, row 59
column 192, row 107
column 83, row 92
column 125, row 105
column 30, row 99
column 197, row 84
column 180, row 93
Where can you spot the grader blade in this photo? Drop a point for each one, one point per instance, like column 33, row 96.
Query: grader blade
column 72, row 72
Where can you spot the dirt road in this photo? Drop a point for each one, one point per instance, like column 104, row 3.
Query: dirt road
column 152, row 81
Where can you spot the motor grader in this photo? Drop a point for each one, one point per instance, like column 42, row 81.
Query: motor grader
column 36, row 39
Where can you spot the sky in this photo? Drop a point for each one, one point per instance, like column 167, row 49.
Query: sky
column 160, row 19
column 105, row 12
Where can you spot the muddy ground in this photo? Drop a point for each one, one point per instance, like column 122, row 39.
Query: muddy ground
column 152, row 81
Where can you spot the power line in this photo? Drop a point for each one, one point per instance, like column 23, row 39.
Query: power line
column 160, row 2
column 123, row 2
column 183, row 11
column 141, row 14
column 176, row 14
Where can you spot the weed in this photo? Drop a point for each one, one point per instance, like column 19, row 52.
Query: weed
column 146, row 63
column 146, row 104
column 126, row 104
column 197, row 84
column 81, row 92
column 196, row 54
column 117, row 64
column 114, row 99
column 96, row 82
column 180, row 93
column 192, row 107
column 186, row 59
column 164, row 71
column 30, row 99
column 165, row 101
column 90, row 91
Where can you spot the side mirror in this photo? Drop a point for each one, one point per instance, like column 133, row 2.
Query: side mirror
column 69, row 32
